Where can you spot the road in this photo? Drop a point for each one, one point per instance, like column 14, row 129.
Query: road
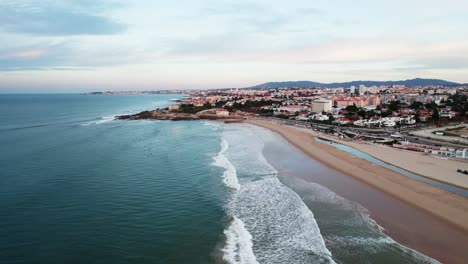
column 371, row 132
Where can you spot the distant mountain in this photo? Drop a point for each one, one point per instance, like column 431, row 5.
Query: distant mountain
column 409, row 83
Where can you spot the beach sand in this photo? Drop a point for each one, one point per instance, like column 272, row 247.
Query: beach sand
column 428, row 219
column 436, row 168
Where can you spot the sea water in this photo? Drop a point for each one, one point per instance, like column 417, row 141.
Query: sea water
column 78, row 186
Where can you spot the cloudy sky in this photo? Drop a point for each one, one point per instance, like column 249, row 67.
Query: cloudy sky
column 81, row 45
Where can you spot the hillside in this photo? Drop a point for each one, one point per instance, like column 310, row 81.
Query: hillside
column 410, row 83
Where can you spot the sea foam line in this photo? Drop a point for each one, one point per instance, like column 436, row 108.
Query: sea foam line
column 239, row 247
column 230, row 173
column 102, row 120
column 324, row 195
column 279, row 224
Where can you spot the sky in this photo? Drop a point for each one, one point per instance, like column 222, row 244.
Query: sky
column 90, row 45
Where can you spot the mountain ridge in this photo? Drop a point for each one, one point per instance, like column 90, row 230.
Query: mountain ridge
column 409, row 83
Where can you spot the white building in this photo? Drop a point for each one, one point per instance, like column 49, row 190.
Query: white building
column 320, row 117
column 174, row 107
column 362, row 89
column 321, row 105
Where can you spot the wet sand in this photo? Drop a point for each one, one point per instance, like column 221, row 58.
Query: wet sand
column 416, row 214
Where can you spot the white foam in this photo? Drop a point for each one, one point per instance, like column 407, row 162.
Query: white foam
column 238, row 245
column 230, row 173
column 375, row 244
column 211, row 123
column 102, row 120
column 246, row 151
column 319, row 193
column 284, row 230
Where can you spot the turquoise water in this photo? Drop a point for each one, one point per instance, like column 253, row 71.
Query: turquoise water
column 77, row 186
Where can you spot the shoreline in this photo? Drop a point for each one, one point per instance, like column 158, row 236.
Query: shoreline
column 440, row 181
column 383, row 154
column 451, row 208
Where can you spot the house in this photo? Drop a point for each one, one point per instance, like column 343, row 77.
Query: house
column 320, row 117
column 447, row 114
column 342, row 121
column 361, row 123
column 222, row 112
column 175, row 107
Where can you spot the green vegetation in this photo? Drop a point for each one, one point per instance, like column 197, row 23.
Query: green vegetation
column 191, row 109
column 326, row 122
column 459, row 103
column 252, row 106
column 416, row 105
column 394, row 105
column 283, row 116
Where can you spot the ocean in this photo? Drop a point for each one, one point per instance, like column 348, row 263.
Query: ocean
column 77, row 186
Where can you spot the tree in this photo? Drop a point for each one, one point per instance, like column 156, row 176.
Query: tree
column 435, row 115
column 416, row 105
column 352, row 108
column 417, row 119
column 432, row 105
column 394, row 105
column 362, row 113
column 220, row 103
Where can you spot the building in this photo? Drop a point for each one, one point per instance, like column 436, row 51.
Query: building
column 222, row 112
column 321, row 105
column 374, row 100
column 320, row 117
column 175, row 107
column 362, row 89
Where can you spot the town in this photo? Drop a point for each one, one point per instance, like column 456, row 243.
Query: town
column 395, row 115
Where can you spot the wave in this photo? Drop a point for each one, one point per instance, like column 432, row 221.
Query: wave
column 42, row 125
column 212, row 124
column 377, row 244
column 102, row 120
column 230, row 173
column 238, row 247
column 284, row 230
column 246, row 151
column 363, row 234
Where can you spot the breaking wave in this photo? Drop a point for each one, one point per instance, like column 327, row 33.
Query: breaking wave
column 356, row 233
column 102, row 120
column 238, row 245
column 271, row 224
column 230, row 173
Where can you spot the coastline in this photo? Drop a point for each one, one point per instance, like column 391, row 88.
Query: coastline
column 451, row 208
column 422, row 165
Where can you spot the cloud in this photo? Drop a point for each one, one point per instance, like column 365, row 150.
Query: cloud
column 67, row 55
column 35, row 56
column 56, row 19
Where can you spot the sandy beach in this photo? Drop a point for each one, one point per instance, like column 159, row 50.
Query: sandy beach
column 445, row 205
column 436, row 168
